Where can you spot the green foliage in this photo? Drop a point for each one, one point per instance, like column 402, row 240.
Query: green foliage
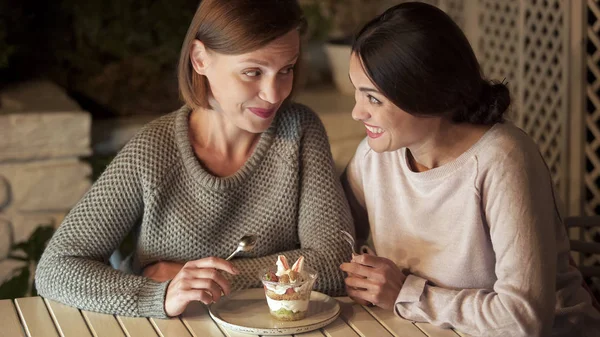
column 340, row 19
column 6, row 50
column 118, row 55
column 317, row 21
column 30, row 251
column 99, row 164
column 108, row 31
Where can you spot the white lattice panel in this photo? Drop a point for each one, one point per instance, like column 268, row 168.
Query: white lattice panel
column 455, row 9
column 524, row 43
column 497, row 46
column 544, row 83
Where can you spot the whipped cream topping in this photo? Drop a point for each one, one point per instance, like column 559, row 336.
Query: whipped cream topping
column 293, row 306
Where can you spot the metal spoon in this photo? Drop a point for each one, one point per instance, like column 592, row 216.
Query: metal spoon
column 348, row 238
column 246, row 244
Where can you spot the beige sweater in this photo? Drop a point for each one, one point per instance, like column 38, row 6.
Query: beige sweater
column 481, row 237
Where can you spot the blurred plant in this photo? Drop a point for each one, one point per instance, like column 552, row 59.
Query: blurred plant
column 340, row 19
column 99, row 163
column 109, row 31
column 317, row 18
column 122, row 54
column 21, row 284
column 6, row 50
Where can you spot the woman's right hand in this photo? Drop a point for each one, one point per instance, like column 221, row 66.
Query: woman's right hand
column 199, row 280
column 374, row 279
column 355, row 299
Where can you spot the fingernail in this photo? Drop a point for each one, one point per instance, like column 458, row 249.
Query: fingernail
column 235, row 270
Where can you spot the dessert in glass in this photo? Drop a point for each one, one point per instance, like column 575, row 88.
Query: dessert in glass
column 288, row 289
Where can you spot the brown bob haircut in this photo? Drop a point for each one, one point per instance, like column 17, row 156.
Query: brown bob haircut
column 233, row 27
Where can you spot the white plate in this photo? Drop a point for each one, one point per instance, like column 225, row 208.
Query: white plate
column 247, row 311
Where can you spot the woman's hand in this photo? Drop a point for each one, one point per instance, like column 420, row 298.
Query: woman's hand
column 373, row 279
column 199, row 280
column 162, row 271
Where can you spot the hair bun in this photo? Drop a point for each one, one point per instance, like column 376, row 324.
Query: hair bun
column 493, row 103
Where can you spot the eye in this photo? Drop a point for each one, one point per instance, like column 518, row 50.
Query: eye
column 288, row 70
column 252, row 73
column 373, row 100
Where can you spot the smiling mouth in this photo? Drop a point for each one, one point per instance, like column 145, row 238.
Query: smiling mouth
column 374, row 130
column 263, row 113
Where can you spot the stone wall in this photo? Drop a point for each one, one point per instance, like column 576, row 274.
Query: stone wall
column 42, row 135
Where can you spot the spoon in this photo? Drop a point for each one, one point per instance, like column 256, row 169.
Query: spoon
column 246, row 244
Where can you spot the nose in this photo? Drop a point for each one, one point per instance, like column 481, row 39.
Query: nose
column 359, row 113
column 270, row 91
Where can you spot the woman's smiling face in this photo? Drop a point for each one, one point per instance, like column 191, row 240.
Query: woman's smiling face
column 249, row 88
column 389, row 128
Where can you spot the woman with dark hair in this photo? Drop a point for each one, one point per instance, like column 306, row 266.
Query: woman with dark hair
column 459, row 202
column 237, row 158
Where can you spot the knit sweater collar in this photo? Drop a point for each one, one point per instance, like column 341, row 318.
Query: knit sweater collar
column 443, row 171
column 196, row 169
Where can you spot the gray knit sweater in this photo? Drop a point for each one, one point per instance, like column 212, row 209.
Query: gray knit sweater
column 287, row 193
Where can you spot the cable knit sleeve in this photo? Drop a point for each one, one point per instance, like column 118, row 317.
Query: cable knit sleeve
column 74, row 267
column 322, row 212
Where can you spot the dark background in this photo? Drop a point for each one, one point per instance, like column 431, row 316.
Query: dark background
column 115, row 57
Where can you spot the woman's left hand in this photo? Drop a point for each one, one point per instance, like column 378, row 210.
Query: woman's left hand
column 162, row 271
column 373, row 279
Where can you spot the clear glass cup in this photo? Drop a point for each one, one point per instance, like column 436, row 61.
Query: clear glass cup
column 288, row 302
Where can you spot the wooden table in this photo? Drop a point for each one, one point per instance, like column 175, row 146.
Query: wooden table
column 36, row 316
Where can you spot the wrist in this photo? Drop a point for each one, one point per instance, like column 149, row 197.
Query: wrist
column 412, row 289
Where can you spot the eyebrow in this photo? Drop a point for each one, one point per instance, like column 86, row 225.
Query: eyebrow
column 364, row 89
column 263, row 63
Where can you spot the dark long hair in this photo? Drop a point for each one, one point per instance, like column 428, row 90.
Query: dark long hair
column 421, row 60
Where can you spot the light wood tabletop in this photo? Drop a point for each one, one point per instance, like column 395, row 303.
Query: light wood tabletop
column 36, row 316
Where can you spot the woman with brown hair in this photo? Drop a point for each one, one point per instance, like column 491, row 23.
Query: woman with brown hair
column 239, row 157
column 458, row 201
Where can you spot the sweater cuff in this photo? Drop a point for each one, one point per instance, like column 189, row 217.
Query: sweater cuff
column 151, row 302
column 412, row 289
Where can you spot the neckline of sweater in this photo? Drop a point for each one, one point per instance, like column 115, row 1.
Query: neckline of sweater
column 197, row 170
column 450, row 167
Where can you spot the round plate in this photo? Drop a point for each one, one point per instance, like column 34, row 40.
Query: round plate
column 247, row 311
